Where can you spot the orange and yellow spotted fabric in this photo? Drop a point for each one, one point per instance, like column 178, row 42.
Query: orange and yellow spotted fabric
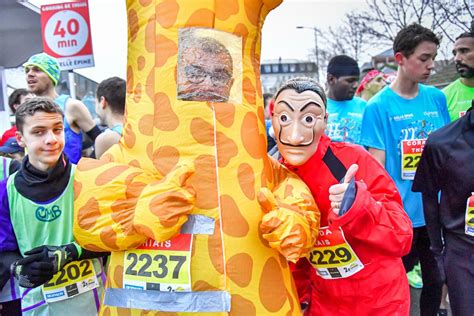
column 181, row 158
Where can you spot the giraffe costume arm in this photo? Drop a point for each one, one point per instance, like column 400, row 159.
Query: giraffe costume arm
column 128, row 205
column 292, row 219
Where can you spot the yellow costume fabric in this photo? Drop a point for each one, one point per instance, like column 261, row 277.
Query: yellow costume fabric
column 199, row 167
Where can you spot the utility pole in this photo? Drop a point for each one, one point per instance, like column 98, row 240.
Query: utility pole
column 316, row 50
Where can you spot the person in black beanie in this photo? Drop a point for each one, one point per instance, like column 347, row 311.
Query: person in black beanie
column 345, row 110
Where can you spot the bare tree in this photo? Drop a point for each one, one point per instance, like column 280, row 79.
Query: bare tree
column 384, row 18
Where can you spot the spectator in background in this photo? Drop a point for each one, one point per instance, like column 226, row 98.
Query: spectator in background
column 110, row 108
column 345, row 110
column 372, row 83
column 42, row 75
column 460, row 93
column 14, row 100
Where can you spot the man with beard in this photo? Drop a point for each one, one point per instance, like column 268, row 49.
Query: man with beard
column 205, row 70
column 460, row 93
column 345, row 110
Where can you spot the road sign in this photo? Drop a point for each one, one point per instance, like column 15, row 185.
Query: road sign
column 67, row 35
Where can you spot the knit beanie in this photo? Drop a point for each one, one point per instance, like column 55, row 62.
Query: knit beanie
column 49, row 65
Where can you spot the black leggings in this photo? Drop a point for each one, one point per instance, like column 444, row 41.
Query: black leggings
column 432, row 284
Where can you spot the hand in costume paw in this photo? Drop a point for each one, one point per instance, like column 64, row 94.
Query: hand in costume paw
column 166, row 204
column 285, row 227
column 41, row 263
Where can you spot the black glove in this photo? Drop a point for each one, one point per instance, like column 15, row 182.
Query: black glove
column 42, row 263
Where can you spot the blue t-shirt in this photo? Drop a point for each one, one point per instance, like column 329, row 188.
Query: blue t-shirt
column 389, row 119
column 345, row 120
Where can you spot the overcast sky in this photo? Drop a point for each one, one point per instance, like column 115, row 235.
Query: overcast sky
column 280, row 37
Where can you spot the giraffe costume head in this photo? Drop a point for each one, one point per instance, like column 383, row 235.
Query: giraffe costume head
column 190, row 168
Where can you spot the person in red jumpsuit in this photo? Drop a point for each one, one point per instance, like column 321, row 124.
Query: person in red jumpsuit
column 355, row 267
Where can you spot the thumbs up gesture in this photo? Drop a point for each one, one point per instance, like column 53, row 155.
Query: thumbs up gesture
column 337, row 191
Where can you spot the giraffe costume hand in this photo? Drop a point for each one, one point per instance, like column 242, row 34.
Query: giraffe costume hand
column 285, row 226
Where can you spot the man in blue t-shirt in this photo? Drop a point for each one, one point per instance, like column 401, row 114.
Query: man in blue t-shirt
column 345, row 110
column 396, row 123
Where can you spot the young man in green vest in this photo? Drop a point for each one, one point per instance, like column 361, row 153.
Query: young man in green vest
column 460, row 93
column 56, row 276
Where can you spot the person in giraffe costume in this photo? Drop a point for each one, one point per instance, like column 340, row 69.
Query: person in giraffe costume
column 197, row 217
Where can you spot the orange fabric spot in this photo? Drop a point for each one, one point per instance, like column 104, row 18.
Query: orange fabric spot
column 241, row 30
column 118, row 276
column 130, row 79
column 92, row 247
column 144, row 231
column 225, row 114
column 135, row 163
column 169, row 206
column 239, row 269
column 149, row 150
column 105, row 311
column 133, row 25
column 165, row 118
column 202, row 131
column 201, row 18
column 109, row 237
column 261, row 114
column 150, row 35
column 168, row 10
column 129, row 136
column 165, row 48
column 145, row 125
column 107, row 158
column 271, row 288
column 252, row 10
column 202, row 285
column 242, row 306
column 122, row 214
column 123, row 312
column 233, row 224
column 267, row 174
column 86, row 164
column 246, row 177
column 283, row 262
column 88, row 214
column 254, row 142
column 227, row 8
column 145, row 3
column 141, row 62
column 166, row 314
column 214, row 249
column 110, row 174
column 77, row 189
column 150, row 89
column 165, row 159
column 226, row 149
column 204, row 181
column 137, row 93
column 249, row 91
column 260, row 236
column 288, row 190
